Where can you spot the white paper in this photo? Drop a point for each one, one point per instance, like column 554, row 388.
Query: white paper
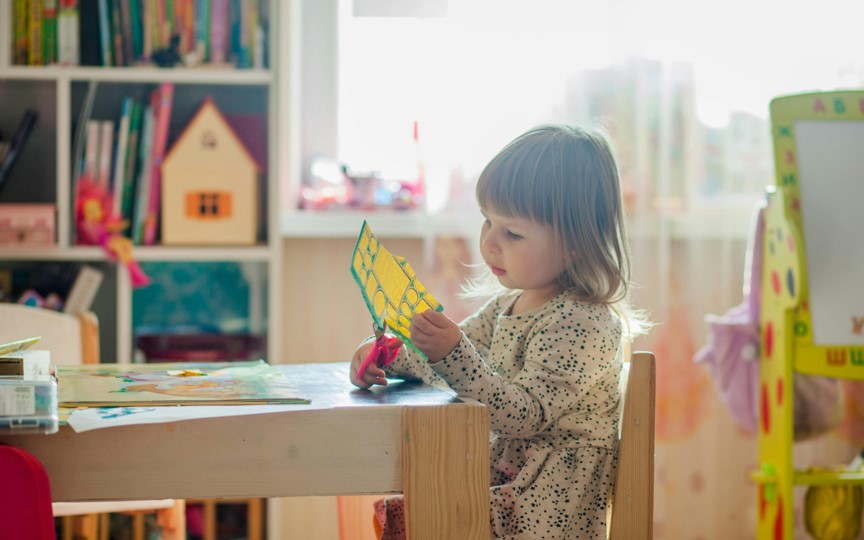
column 831, row 177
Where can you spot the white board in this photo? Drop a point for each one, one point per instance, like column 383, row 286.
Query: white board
column 831, row 178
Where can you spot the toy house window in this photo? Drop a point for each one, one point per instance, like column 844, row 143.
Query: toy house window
column 208, row 205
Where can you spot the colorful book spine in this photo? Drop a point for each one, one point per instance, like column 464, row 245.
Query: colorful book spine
column 20, row 14
column 124, row 31
column 160, row 140
column 120, row 155
column 202, row 29
column 91, row 151
column 137, row 37
column 34, row 37
column 49, row 32
column 105, row 33
column 116, row 31
column 106, row 147
column 219, row 28
column 142, row 197
column 67, row 33
column 129, row 176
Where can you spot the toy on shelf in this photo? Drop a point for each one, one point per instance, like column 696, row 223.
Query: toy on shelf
column 812, row 304
column 98, row 225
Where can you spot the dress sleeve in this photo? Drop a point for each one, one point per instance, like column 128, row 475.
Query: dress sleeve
column 409, row 364
column 564, row 358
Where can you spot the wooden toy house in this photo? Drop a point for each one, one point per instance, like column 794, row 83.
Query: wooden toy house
column 209, row 184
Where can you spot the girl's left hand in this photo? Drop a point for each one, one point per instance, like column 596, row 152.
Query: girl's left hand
column 434, row 334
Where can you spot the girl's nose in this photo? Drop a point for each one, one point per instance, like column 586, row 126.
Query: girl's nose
column 489, row 242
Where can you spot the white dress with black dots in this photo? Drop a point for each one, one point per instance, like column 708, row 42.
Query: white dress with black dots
column 550, row 379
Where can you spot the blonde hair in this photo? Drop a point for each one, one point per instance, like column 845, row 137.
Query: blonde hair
column 567, row 177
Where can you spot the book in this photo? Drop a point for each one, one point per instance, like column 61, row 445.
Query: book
column 83, row 290
column 142, row 196
column 160, row 141
column 67, row 33
column 49, row 32
column 120, row 155
column 116, row 32
column 137, row 36
column 19, row 139
column 20, row 41
column 165, row 384
column 34, row 36
column 106, row 148
column 105, row 42
column 219, row 29
column 91, row 150
column 125, row 31
column 202, row 30
column 129, row 176
column 89, row 34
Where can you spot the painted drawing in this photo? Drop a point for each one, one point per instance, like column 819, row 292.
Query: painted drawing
column 143, row 385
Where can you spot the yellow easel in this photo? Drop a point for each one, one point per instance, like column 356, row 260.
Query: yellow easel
column 786, row 319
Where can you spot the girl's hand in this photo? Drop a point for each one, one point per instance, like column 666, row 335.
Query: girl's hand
column 434, row 334
column 373, row 374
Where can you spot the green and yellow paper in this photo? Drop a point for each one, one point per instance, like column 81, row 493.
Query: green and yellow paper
column 389, row 286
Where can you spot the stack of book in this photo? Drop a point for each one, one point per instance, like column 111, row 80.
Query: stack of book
column 132, row 32
column 124, row 157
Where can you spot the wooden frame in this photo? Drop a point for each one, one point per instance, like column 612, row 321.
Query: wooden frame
column 633, row 502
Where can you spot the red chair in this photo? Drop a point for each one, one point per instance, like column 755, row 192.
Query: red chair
column 25, row 496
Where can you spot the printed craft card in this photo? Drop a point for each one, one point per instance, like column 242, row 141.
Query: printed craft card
column 190, row 383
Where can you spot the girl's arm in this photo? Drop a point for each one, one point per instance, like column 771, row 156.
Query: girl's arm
column 564, row 358
column 477, row 328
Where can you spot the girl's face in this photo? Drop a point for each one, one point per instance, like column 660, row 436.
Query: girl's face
column 523, row 254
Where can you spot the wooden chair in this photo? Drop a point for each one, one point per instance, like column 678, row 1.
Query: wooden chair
column 633, row 499
column 74, row 340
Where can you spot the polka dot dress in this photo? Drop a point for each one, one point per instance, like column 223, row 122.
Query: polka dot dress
column 550, row 378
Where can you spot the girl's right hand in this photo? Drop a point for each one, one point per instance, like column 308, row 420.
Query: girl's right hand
column 373, row 374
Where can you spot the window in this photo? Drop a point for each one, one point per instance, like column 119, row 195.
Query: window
column 682, row 87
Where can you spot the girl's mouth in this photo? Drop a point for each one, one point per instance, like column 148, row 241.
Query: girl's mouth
column 497, row 271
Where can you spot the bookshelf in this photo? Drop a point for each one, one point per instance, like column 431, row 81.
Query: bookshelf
column 45, row 170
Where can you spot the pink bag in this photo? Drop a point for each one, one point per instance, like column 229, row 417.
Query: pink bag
column 732, row 357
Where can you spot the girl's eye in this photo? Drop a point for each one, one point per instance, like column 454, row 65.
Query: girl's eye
column 514, row 236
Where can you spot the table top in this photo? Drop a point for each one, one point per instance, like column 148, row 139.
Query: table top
column 328, row 385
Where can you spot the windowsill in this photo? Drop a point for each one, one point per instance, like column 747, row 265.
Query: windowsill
column 729, row 224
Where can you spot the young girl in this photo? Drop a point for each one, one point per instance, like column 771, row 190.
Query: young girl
column 544, row 355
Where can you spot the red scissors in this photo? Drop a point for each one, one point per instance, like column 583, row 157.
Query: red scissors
column 383, row 352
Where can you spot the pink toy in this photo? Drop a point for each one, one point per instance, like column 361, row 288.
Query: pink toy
column 98, row 225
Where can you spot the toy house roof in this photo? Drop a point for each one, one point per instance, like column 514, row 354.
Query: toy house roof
column 209, row 105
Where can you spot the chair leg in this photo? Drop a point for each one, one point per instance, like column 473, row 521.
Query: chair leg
column 104, row 526
column 68, row 527
column 254, row 519
column 86, row 527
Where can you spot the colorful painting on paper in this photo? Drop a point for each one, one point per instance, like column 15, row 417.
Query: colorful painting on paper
column 389, row 286
column 142, row 385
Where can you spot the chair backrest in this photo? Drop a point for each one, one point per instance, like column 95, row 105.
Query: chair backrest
column 633, row 499
column 71, row 339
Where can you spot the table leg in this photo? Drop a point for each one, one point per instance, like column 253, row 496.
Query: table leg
column 445, row 467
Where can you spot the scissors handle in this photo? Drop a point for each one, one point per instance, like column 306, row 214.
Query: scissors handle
column 382, row 353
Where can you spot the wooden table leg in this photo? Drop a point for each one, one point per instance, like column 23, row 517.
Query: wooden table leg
column 445, row 467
